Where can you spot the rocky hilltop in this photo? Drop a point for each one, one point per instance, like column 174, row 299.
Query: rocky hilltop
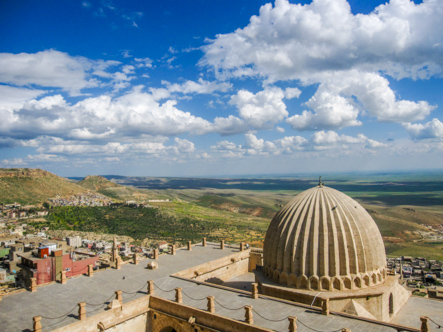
column 33, row 186
column 24, row 172
column 115, row 190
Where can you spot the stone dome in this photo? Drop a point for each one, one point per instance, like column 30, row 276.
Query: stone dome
column 324, row 240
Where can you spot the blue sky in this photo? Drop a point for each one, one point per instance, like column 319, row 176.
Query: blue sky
column 207, row 88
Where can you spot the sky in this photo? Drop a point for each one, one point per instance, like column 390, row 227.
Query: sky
column 221, row 87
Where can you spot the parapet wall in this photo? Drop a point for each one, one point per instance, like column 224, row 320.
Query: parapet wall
column 133, row 314
column 221, row 269
column 164, row 314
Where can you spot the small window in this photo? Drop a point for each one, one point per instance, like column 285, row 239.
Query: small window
column 68, row 269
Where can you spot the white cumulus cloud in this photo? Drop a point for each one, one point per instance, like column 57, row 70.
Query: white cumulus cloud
column 51, row 68
column 431, row 129
column 261, row 110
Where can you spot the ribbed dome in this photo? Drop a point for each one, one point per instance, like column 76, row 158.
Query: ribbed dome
column 324, row 240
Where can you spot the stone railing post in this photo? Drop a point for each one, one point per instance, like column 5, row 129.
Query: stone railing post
column 189, row 245
column 63, row 278
column 211, row 306
column 90, row 270
column 248, row 315
column 118, row 296
column 155, row 253
column 292, row 324
column 150, row 287
column 173, row 249
column 34, row 285
column 242, row 246
column 118, row 263
column 204, row 242
column 178, row 295
column 424, row 324
column 82, row 310
column 37, row 324
column 325, row 307
column 222, row 244
column 135, row 257
column 254, row 290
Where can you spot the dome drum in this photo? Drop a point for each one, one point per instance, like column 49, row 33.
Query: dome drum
column 326, row 283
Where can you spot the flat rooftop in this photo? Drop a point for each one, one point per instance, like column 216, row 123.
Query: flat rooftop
column 16, row 311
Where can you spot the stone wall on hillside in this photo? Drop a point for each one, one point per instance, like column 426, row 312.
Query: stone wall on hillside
column 24, row 172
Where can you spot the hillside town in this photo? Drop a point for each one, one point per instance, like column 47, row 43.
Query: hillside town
column 42, row 257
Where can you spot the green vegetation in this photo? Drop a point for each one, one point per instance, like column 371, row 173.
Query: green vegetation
column 140, row 223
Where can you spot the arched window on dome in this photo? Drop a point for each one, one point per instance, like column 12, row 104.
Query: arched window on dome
column 325, row 284
column 313, row 283
column 303, row 282
column 336, row 284
column 347, row 283
column 366, row 280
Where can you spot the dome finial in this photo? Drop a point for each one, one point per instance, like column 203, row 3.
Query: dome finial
column 320, row 184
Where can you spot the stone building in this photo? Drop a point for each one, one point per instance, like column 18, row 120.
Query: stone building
column 324, row 241
column 74, row 241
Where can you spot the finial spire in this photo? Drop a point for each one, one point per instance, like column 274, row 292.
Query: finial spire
column 320, row 184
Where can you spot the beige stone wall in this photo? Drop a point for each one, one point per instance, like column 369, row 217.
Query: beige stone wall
column 375, row 301
column 223, row 268
column 255, row 259
column 165, row 313
column 226, row 272
column 132, row 316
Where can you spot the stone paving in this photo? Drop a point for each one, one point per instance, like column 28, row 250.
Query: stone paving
column 16, row 311
column 418, row 306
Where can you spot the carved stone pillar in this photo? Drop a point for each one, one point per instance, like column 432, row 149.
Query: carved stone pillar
column 82, row 310
column 424, row 324
column 90, row 270
column 189, row 245
column 178, row 295
column 292, row 324
column 248, row 315
column 118, row 296
column 211, row 306
column 254, row 291
column 222, row 244
column 150, row 287
column 155, row 253
column 37, row 324
column 204, row 242
column 118, row 263
column 33, row 284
